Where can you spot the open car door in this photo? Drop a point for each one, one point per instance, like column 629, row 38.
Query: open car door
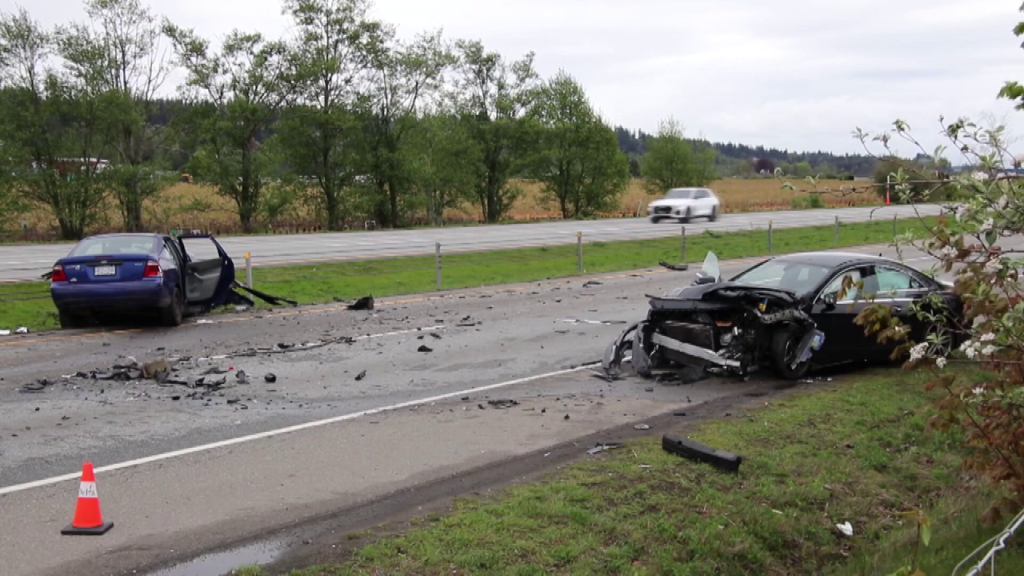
column 209, row 271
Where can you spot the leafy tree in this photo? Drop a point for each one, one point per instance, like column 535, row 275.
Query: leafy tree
column 51, row 128
column 670, row 161
column 118, row 53
column 247, row 83
column 580, row 164
column 403, row 76
column 443, row 158
column 497, row 95
column 322, row 135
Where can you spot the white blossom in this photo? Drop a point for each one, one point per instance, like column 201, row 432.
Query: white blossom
column 978, row 391
column 988, row 225
column 989, row 350
column 1003, row 202
column 941, row 363
column 917, row 352
column 948, row 252
column 987, row 337
column 980, row 318
column 961, row 211
column 969, row 348
column 993, row 266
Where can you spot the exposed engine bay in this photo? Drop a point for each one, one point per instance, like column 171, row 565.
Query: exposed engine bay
column 720, row 328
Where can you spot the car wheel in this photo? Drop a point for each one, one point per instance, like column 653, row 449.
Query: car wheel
column 783, row 350
column 171, row 315
column 68, row 320
column 714, row 214
column 686, row 217
column 655, row 219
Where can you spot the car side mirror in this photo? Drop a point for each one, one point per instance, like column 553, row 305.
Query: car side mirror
column 703, row 279
column 829, row 300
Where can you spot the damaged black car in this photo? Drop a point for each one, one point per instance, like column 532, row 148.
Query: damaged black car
column 789, row 314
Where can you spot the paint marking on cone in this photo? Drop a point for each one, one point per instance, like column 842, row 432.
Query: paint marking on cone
column 88, row 520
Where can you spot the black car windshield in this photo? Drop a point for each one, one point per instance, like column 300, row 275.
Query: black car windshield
column 679, row 193
column 115, row 245
column 797, row 277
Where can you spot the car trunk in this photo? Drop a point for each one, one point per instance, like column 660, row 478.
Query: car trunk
column 105, row 268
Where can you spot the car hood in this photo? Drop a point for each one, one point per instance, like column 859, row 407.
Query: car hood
column 724, row 291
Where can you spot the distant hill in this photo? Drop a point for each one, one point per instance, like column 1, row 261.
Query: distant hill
column 744, row 160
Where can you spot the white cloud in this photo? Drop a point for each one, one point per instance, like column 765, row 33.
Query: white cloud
column 797, row 74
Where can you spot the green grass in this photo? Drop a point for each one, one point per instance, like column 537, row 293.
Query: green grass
column 321, row 283
column 855, row 450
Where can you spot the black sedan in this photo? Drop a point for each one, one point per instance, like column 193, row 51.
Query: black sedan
column 789, row 313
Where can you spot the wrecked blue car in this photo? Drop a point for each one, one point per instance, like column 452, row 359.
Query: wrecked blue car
column 142, row 273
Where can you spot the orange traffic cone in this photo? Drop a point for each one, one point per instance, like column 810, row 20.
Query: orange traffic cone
column 88, row 520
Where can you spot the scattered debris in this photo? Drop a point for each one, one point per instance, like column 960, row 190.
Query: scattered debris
column 242, row 377
column 150, row 369
column 270, row 378
column 361, row 375
column 602, row 447
column 675, row 267
column 435, row 335
column 424, row 348
column 364, row 303
column 846, row 528
column 37, row 386
column 5, row 332
column 22, row 330
column 590, row 283
column 698, row 452
column 272, row 300
column 604, row 322
column 503, row 403
column 641, row 427
column 566, row 417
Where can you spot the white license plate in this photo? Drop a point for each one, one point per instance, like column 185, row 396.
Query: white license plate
column 105, row 270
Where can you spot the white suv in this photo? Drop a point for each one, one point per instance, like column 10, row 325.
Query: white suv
column 685, row 203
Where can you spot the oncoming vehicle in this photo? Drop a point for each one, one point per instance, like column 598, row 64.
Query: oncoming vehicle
column 685, row 203
column 131, row 273
column 789, row 313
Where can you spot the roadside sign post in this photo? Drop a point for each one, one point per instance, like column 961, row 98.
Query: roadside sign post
column 837, row 231
column 248, row 270
column 771, row 238
column 579, row 252
column 682, row 245
column 437, row 264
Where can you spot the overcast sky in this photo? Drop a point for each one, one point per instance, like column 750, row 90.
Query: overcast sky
column 797, row 74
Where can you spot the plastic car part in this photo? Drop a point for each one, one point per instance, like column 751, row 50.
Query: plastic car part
column 698, row 452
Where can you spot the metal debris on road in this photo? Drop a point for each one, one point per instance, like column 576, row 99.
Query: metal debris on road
column 641, row 427
column 503, row 403
column 5, row 332
column 361, row 375
column 592, row 283
column 602, row 447
column 424, row 348
column 22, row 330
column 270, row 378
column 37, row 386
column 364, row 303
column 602, row 322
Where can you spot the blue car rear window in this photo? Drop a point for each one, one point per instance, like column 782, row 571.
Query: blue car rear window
column 115, row 245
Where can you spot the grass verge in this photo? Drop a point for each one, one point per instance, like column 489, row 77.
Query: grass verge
column 853, row 451
column 28, row 304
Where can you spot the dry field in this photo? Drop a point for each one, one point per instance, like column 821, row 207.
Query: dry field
column 196, row 206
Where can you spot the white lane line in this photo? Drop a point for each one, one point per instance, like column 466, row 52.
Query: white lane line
column 288, row 430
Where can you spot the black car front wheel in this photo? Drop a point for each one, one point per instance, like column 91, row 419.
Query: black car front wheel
column 785, row 342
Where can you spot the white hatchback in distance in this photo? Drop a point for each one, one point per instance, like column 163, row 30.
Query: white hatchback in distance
column 685, row 203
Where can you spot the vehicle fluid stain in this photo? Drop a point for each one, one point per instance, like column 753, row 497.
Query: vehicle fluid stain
column 222, row 563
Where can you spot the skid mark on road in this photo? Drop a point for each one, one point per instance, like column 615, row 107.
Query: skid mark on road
column 290, row 429
column 399, row 300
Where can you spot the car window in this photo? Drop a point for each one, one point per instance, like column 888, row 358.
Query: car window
column 115, row 245
column 701, row 194
column 679, row 193
column 200, row 249
column 888, row 281
column 835, row 287
column 794, row 276
column 172, row 246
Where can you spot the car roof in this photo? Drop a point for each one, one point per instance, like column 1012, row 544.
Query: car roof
column 125, row 234
column 833, row 259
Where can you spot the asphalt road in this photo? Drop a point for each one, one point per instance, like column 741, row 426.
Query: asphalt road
column 27, row 262
column 171, row 493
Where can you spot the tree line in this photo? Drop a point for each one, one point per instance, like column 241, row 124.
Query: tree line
column 343, row 117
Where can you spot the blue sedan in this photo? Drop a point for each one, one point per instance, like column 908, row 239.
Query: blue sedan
column 140, row 272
